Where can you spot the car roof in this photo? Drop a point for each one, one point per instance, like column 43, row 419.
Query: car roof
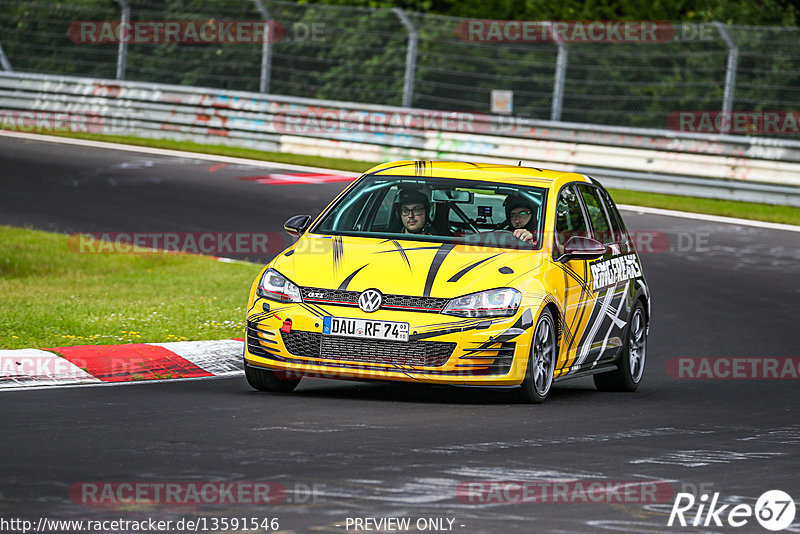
column 487, row 172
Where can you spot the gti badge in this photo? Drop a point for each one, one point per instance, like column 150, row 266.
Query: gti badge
column 370, row 300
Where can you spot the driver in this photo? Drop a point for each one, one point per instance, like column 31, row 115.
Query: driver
column 414, row 208
column 519, row 218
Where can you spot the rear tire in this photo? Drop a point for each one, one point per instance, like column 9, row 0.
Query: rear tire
column 267, row 380
column 630, row 368
column 541, row 362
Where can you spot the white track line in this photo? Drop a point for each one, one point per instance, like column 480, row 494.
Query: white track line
column 171, row 153
column 116, row 384
column 710, row 218
column 291, row 167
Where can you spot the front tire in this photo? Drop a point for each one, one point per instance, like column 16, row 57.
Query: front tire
column 541, row 362
column 630, row 368
column 267, row 380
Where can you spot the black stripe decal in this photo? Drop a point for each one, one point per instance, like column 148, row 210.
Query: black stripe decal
column 441, row 254
column 388, row 169
column 566, row 341
column 456, row 277
column 455, row 328
column 570, row 329
column 482, row 323
column 349, row 278
column 520, row 326
column 575, row 276
column 584, row 305
column 598, row 316
column 338, row 251
column 319, row 309
column 402, row 252
column 312, row 310
column 566, row 332
column 404, row 249
column 266, row 315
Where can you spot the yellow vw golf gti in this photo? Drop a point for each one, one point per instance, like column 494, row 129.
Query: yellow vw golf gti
column 454, row 273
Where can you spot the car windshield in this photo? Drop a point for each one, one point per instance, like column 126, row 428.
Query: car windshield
column 440, row 210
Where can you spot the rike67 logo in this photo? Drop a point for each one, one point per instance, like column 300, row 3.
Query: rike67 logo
column 774, row 511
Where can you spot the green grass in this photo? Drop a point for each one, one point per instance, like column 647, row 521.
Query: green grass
column 744, row 210
column 53, row 297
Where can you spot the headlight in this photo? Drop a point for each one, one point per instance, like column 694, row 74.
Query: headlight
column 274, row 286
column 493, row 303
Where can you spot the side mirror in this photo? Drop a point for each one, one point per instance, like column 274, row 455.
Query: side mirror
column 582, row 248
column 296, row 225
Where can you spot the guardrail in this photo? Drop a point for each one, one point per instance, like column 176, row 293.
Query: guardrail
column 717, row 166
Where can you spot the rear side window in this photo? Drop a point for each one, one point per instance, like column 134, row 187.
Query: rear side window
column 569, row 219
column 615, row 217
column 598, row 215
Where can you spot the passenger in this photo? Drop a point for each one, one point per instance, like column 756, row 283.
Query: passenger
column 520, row 218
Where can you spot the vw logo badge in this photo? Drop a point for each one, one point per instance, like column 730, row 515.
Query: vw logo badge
column 370, row 300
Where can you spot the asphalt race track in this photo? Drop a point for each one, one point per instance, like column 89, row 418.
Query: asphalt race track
column 357, row 450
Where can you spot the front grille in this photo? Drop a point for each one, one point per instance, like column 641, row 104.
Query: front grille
column 413, row 303
column 416, row 353
column 302, row 343
column 394, row 302
column 338, row 296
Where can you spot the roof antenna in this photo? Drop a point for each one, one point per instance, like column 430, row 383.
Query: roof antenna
column 519, row 164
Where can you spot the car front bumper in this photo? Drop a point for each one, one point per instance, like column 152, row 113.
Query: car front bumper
column 442, row 349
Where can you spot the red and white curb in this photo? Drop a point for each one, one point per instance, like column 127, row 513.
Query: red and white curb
column 102, row 364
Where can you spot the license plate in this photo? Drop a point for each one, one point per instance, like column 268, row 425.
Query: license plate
column 365, row 328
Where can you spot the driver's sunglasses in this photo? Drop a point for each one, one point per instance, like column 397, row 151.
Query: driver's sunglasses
column 405, row 212
column 521, row 214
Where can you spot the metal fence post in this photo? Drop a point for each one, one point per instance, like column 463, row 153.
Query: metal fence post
column 4, row 61
column 560, row 77
column 266, row 48
column 411, row 57
column 122, row 51
column 730, row 71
